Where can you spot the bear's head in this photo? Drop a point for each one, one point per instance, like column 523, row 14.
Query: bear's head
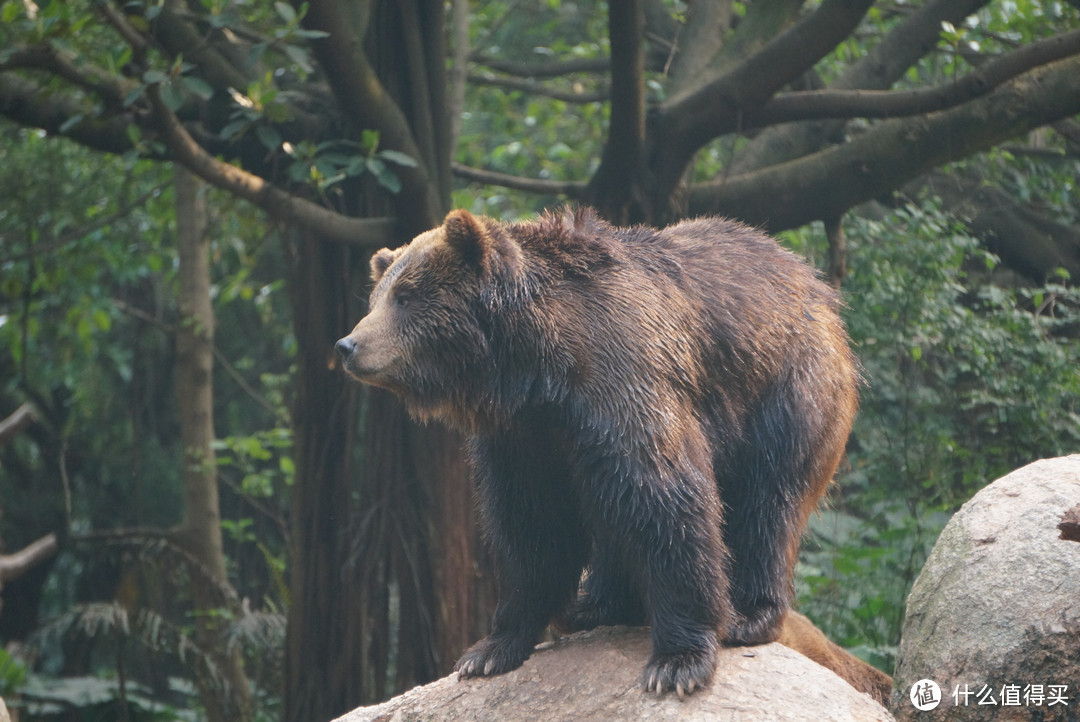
column 426, row 336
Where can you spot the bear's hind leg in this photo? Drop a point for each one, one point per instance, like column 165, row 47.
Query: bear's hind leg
column 793, row 448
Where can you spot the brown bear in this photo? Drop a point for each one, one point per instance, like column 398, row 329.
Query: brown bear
column 659, row 409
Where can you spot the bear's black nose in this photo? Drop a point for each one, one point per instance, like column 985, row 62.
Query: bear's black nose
column 345, row 347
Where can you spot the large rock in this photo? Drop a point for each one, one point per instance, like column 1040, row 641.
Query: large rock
column 594, row 676
column 998, row 603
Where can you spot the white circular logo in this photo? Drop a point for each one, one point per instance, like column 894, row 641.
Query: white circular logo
column 925, row 695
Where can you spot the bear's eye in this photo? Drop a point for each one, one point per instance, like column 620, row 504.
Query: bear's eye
column 402, row 298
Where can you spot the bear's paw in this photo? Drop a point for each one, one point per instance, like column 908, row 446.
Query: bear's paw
column 681, row 672
column 492, row 655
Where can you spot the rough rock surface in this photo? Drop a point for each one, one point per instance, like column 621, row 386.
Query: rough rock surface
column 998, row 602
column 594, row 676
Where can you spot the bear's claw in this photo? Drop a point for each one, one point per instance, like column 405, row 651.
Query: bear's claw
column 491, row 656
column 680, row 672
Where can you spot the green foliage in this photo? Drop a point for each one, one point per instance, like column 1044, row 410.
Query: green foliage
column 12, row 674
column 965, row 381
column 147, row 636
column 530, row 134
column 324, row 165
column 86, row 313
column 966, row 378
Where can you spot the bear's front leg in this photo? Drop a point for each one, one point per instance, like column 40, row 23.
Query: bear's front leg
column 529, row 598
column 671, row 528
column 533, row 528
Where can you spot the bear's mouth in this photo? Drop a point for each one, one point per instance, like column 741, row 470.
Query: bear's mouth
column 373, row 377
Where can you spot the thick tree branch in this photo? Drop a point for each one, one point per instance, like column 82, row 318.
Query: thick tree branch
column 1028, row 241
column 762, row 23
column 891, row 103
column 911, row 39
column 369, row 232
column 15, row 565
column 27, row 103
column 570, row 189
column 130, row 35
column 709, row 109
column 54, row 61
column 181, row 38
column 691, row 119
column 699, row 40
column 827, row 183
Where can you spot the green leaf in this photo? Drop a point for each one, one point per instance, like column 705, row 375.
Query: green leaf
column 398, row 157
column 386, row 177
column 286, row 11
column 170, row 96
column 197, row 86
column 84, row 329
column 356, row 166
column 299, row 56
column 233, row 129
column 268, row 136
column 256, row 53
column 287, row 466
column 369, row 139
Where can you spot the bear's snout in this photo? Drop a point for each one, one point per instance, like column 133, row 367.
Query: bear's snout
column 345, row 348
column 365, row 357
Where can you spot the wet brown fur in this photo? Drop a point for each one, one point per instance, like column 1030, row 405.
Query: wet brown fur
column 661, row 409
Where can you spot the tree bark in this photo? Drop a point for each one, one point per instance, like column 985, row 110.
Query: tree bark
column 322, row 665
column 226, row 695
column 388, row 577
column 892, row 153
column 689, row 120
column 886, row 62
column 617, row 184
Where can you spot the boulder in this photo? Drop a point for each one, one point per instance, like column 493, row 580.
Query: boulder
column 594, row 676
column 994, row 616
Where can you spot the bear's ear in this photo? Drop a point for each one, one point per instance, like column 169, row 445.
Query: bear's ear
column 382, row 260
column 485, row 247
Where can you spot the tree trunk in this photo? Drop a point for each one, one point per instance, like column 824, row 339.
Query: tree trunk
column 322, row 661
column 225, row 692
column 389, row 580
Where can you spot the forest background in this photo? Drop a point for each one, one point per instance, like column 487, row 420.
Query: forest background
column 201, row 519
